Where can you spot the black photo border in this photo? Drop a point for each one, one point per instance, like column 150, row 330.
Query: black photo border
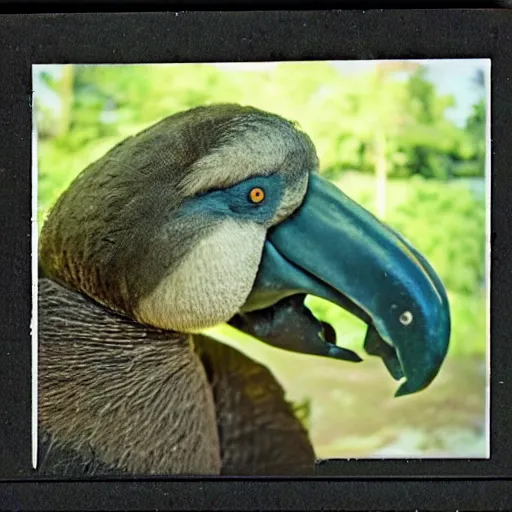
column 214, row 36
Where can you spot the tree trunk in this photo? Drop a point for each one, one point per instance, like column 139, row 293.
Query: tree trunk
column 66, row 98
column 380, row 172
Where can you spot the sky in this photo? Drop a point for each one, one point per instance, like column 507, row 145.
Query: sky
column 450, row 76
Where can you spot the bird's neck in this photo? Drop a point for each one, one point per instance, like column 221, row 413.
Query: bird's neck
column 135, row 396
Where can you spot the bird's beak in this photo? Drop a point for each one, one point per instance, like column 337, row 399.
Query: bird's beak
column 334, row 249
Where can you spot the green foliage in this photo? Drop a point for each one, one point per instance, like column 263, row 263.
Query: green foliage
column 343, row 114
column 447, row 224
column 475, row 126
column 302, row 411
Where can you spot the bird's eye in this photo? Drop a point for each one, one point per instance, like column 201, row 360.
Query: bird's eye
column 256, row 195
column 406, row 318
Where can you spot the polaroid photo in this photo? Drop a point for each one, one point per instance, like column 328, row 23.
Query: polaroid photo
column 243, row 273
column 205, row 230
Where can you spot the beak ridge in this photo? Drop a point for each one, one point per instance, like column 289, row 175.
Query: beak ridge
column 333, row 248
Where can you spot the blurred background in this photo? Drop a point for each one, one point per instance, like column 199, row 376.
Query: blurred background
column 406, row 139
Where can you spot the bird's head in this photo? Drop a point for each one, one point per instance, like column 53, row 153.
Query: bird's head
column 218, row 214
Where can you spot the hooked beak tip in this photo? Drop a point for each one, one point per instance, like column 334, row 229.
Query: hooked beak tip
column 406, row 389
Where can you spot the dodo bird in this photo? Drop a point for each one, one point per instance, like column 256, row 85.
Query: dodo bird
column 216, row 214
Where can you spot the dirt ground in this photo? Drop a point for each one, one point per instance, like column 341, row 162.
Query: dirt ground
column 353, row 413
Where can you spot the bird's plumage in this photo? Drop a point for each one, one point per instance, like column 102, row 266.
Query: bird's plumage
column 132, row 255
column 118, row 397
column 163, row 237
column 97, row 236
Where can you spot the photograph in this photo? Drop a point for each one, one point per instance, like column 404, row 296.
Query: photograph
column 246, row 268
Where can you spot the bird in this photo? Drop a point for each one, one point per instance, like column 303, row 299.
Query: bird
column 215, row 214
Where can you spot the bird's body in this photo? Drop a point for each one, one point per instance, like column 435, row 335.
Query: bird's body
column 212, row 215
column 119, row 378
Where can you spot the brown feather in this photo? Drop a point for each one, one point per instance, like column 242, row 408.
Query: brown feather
column 120, row 388
column 117, row 397
column 135, row 396
column 258, row 429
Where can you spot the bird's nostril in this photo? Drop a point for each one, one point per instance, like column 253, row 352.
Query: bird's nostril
column 406, row 318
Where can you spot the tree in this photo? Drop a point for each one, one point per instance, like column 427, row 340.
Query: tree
column 383, row 129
